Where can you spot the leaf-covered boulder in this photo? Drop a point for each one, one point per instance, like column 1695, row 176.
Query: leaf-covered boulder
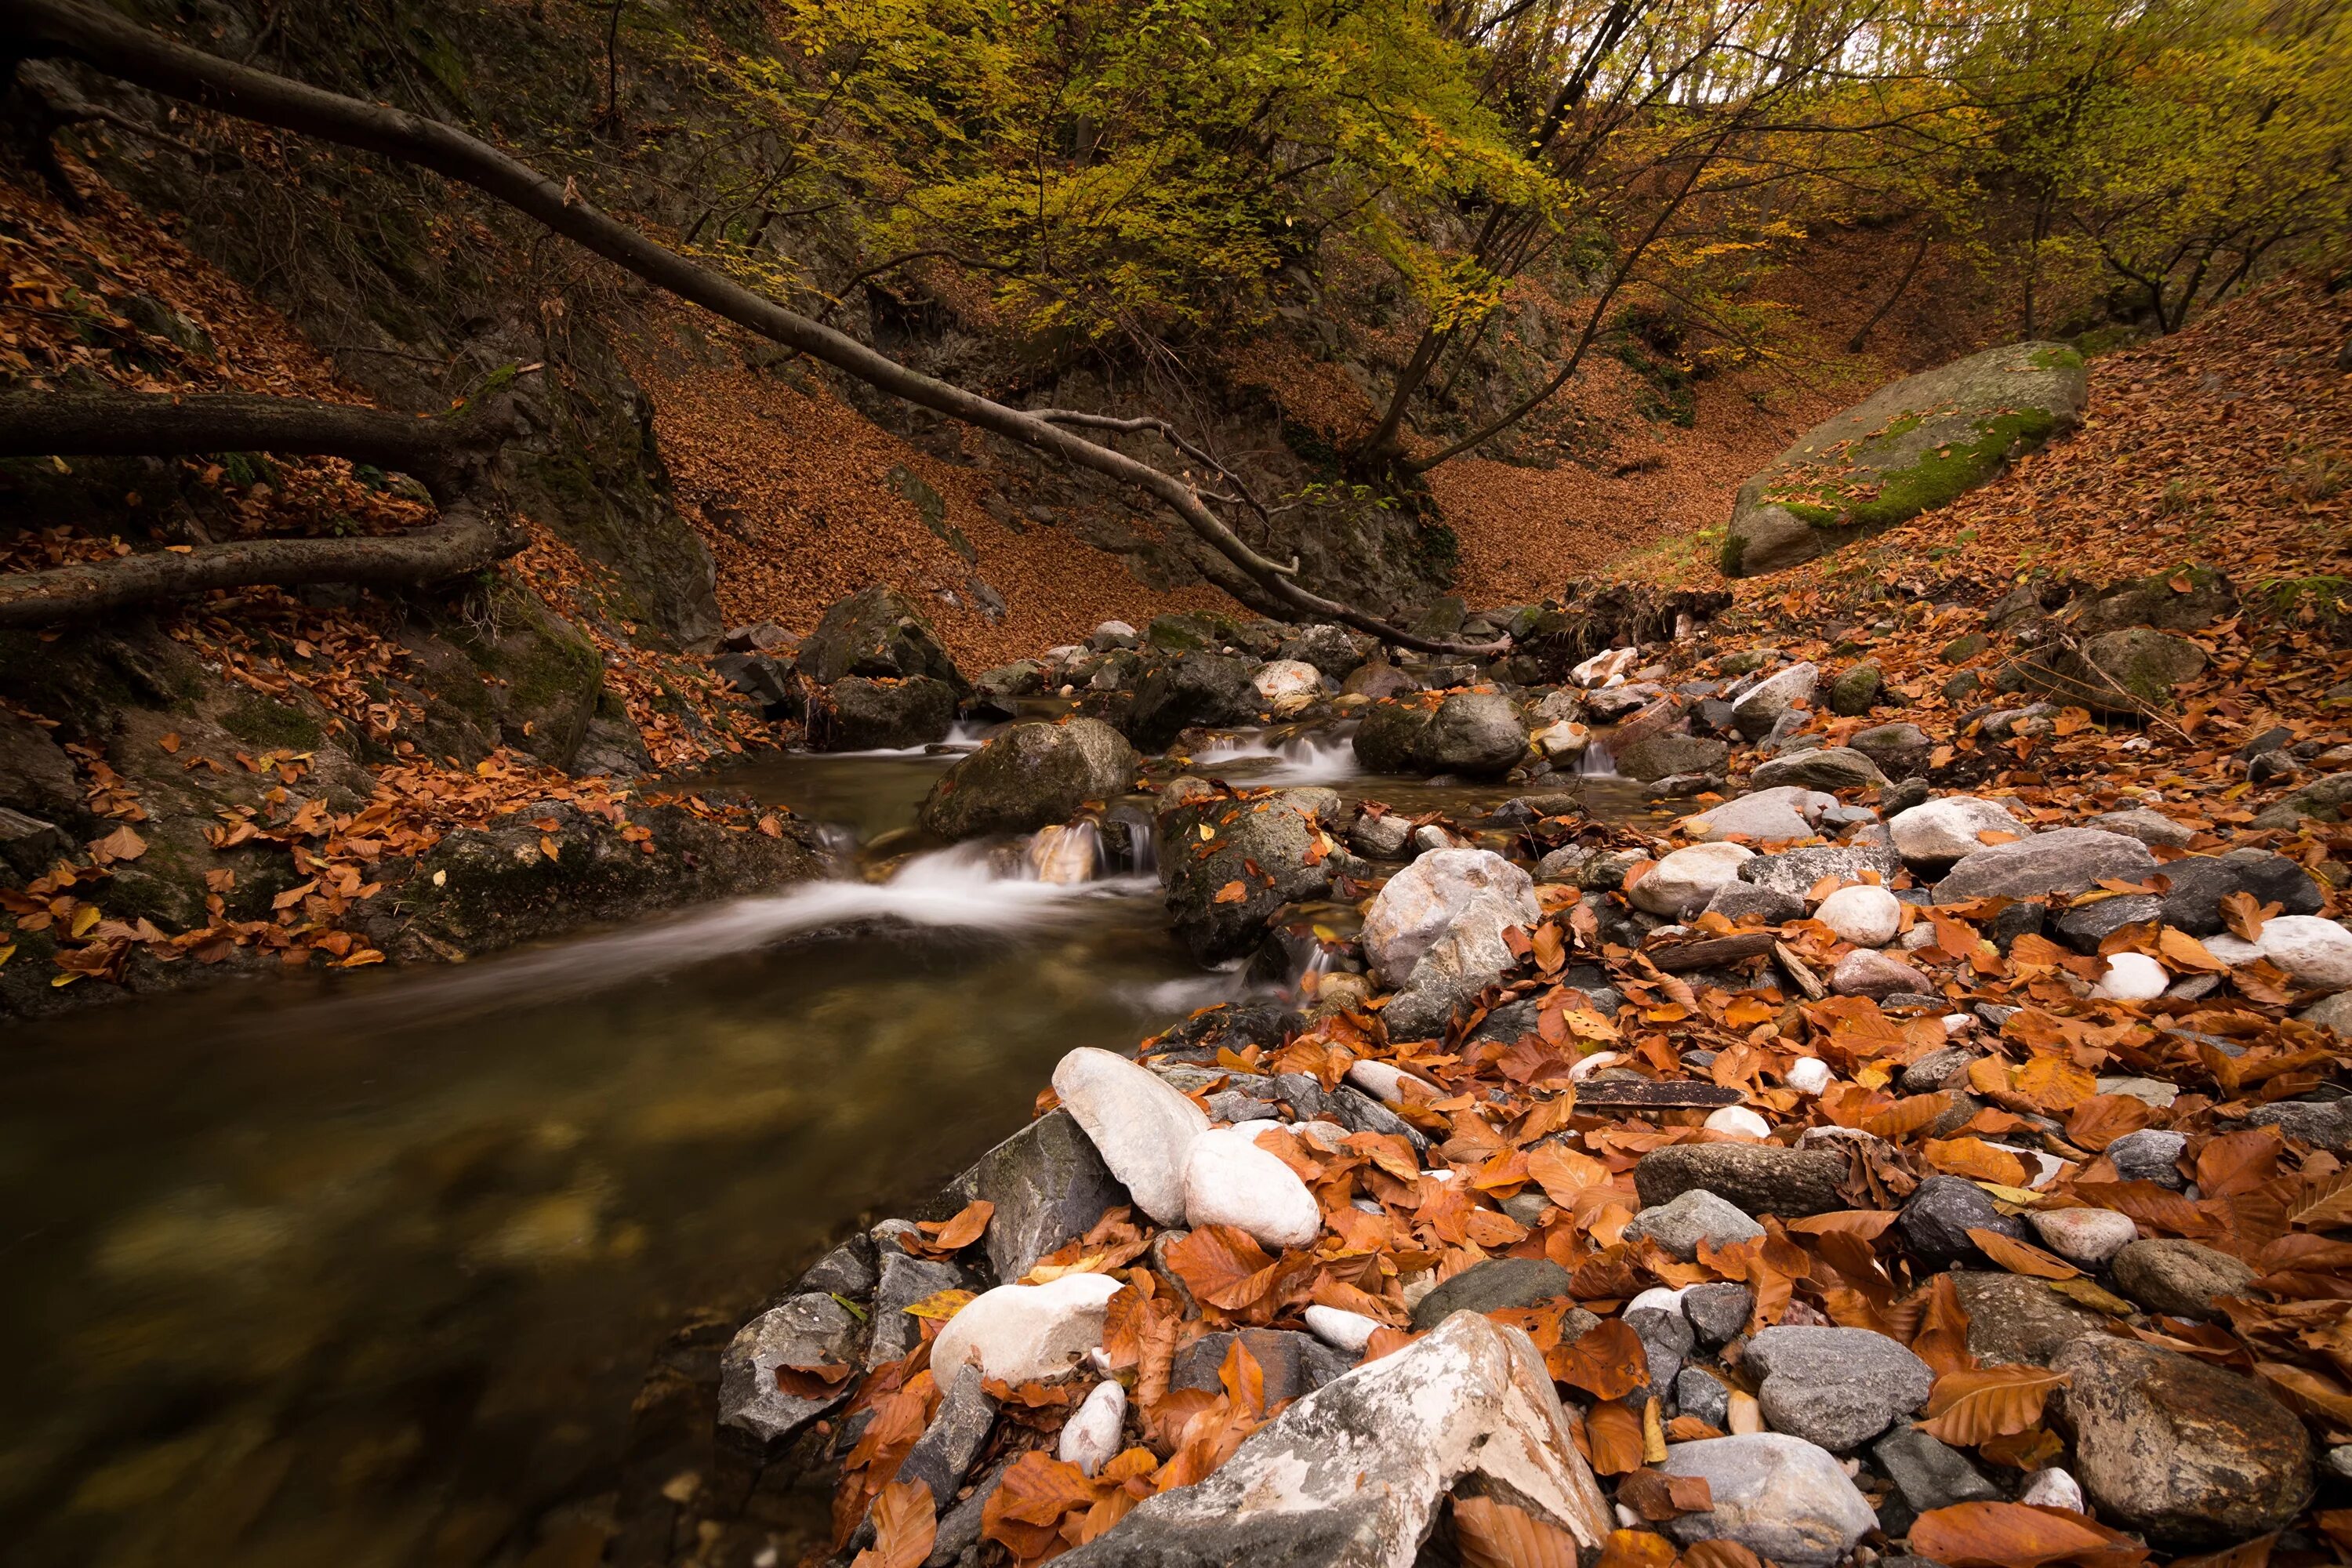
column 876, row 631
column 1227, row 864
column 1906, row 449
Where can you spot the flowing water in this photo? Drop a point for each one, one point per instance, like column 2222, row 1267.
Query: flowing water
column 367, row 1270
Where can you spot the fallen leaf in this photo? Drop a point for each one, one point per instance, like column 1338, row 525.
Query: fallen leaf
column 1491, row 1533
column 2016, row 1535
column 904, row 1526
column 2022, row 1256
column 1966, row 1408
column 1231, row 893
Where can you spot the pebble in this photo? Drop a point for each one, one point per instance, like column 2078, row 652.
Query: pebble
column 2150, row 1154
column 1024, row 1333
column 1490, row 1286
column 1866, row 972
column 1229, row 1180
column 1337, row 1326
column 1719, row 1312
column 1090, row 1438
column 2315, row 951
column 2053, row 1487
column 1862, row 915
column 1941, row 1214
column 1391, row 1084
column 1836, row 1387
column 2180, row 1279
column 1783, row 1499
column 2085, row 1236
column 1737, row 1120
column 1810, row 1075
column 1682, row 1224
column 2131, row 977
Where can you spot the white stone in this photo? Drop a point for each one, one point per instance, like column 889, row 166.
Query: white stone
column 1288, row 685
column 2087, row 1236
column 1659, row 1298
column 1142, row 1128
column 1784, row 1499
column 1585, row 1067
column 1957, row 1023
column 1810, row 1075
column 1762, row 704
column 1681, row 884
column 1606, row 669
column 1562, row 741
column 1946, row 828
column 1864, row 916
column 1023, row 1333
column 1361, row 1466
column 1229, row 1180
column 2131, row 977
column 2054, row 1489
column 1091, row 1437
column 2315, row 951
column 1788, row 811
column 2231, row 950
column 1338, row 1326
column 1737, row 1120
column 1427, row 899
column 1390, row 1083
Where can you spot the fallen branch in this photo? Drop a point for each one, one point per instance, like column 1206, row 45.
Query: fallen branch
column 449, row 456
column 112, row 45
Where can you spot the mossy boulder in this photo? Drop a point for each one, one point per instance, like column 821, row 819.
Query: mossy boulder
column 2178, row 601
column 2118, row 671
column 1908, row 449
column 1029, row 775
column 876, row 631
column 1855, row 691
column 862, row 715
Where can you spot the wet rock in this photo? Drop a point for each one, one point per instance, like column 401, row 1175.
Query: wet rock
column 1142, row 1128
column 1274, row 849
column 1000, row 689
column 1682, row 883
column 2066, row 860
column 1671, row 754
column 1353, row 1474
column 1788, row 812
column 2087, row 1237
column 1229, row 1180
column 809, row 1331
column 876, row 631
column 1836, row 1387
column 1437, row 892
column 1757, row 1178
column 1030, row 775
column 2316, row 952
column 864, row 715
column 904, row 1281
column 2199, row 883
column 2014, row 1320
column 1697, row 1215
column 1380, row 837
column 1049, row 1186
column 1795, row 871
column 1866, row 972
column 1764, row 704
column 1491, row 1286
column 1948, row 827
column 1334, row 650
column 1474, row 734
column 1294, row 1365
column 942, row 1456
column 1864, row 915
column 1937, row 1220
column 1929, row 1474
column 1287, row 686
column 1785, row 1500
column 1719, row 1313
column 2180, row 1279
column 1016, row 1333
column 2189, row 1454
column 2150, row 1154
column 1824, row 768
column 1187, row 691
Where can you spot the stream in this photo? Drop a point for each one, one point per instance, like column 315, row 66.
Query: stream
column 367, row 1269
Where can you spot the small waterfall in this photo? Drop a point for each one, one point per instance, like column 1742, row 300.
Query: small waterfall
column 1132, row 847
column 1065, row 853
column 1596, row 762
column 1319, row 756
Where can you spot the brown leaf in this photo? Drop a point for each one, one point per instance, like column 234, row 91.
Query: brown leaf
column 1657, row 1496
column 2185, row 952
column 1976, row 1159
column 2244, row 915
column 1616, row 1436
column 1243, row 1379
column 2022, row 1256
column 1971, row 1407
column 121, row 845
column 1224, row 1267
column 2254, row 1554
column 2103, row 1118
column 1636, row 1549
column 1607, row 1362
column 2237, row 1162
column 1491, row 1533
column 812, row 1381
column 1038, row 1489
column 963, row 1229
column 1231, row 893
column 1720, row 1553
column 904, row 1526
column 2325, row 1203
column 2015, row 1535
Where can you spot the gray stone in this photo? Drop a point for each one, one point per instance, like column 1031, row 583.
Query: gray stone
column 1474, row 734
column 1765, row 814
column 2180, row 1279
column 2189, row 1454
column 1795, row 871
column 1785, row 1500
column 2085, row 928
column 862, row 715
column 1763, row 705
column 2322, row 1123
column 1929, row 1474
column 1825, row 768
column 1836, row 1387
column 1901, row 751
column 2330, row 1013
column 1672, row 754
column 1941, row 1214
column 1866, row 972
column 1737, row 901
column 904, row 1281
column 1491, row 1286
column 1757, row 1178
column 2014, row 1320
column 1354, row 1475
column 1293, row 1363
column 1701, row 1393
column 810, row 1330
column 2199, row 883
column 942, row 1456
column 2119, row 671
column 1335, row 650
column 876, row 631
column 1140, row 1127
column 1028, row 776
column 1049, row 1186
column 2085, row 1236
column 2150, row 827
column 1274, row 847
column 1719, row 1313
column 1929, row 1072
column 1380, row 837
column 1187, row 690
column 2150, row 1154
column 2067, row 860
column 1697, row 1215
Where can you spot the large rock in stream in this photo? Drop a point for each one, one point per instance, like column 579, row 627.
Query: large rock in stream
column 1906, row 449
column 1352, row 1476
column 1435, row 932
column 1227, row 864
column 876, row 632
column 1029, row 775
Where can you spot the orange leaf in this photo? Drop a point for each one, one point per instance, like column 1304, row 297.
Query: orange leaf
column 2237, row 1162
column 1868, row 1224
column 1037, row 1490
column 1243, row 1379
column 1607, row 1362
column 2244, row 915
column 2055, row 1084
column 1906, row 1116
column 1975, row 1158
column 121, row 845
column 1491, row 1533
column 962, row 1230
column 2103, row 1118
column 1720, row 1553
column 1636, row 1549
column 1971, row 1407
column 2022, row 1256
column 1616, row 1435
column 812, row 1381
column 2016, row 1535
column 1231, row 893
column 2185, row 952
column 1656, row 1496
column 1224, row 1267
column 904, row 1526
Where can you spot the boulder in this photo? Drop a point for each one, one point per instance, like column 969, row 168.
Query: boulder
column 1273, row 849
column 1188, row 692
column 1901, row 751
column 1333, row 650
column 1029, row 776
column 2187, row 1453
column 1764, row 704
column 1495, row 1285
column 1287, row 686
column 2016, row 1321
column 1474, row 734
column 1021, row 1333
column 1795, row 871
column 1764, row 815
column 1049, row 1186
column 1697, row 1215
column 904, row 1281
column 1836, row 1387
column 1823, row 768
column 1862, row 914
column 1783, row 1499
column 1142, row 1128
column 1670, row 754
column 2199, row 883
column 1470, row 956
column 870, row 715
column 1353, row 1474
column 1682, row 883
column 2067, row 860
column 876, row 631
column 1438, row 891
column 2154, row 601
column 1756, row 1178
column 1908, row 449
column 1388, row 739
column 815, row 1329
column 2120, row 672
column 1950, row 827
column 2181, row 1278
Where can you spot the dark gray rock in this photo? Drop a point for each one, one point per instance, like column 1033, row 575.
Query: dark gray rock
column 1929, row 1073
column 1702, row 1394
column 942, row 1456
column 1758, row 1178
column 876, row 631
column 2199, row 883
column 1261, row 845
column 1293, row 1363
column 1935, row 1221
column 811, row 1331
column 1929, row 1474
column 1477, row 734
column 1673, row 754
column 1719, row 1313
column 2322, row 1123
column 1737, row 901
column 1334, row 650
column 1491, row 1286
column 1029, row 775
column 2084, row 929
column 1795, row 871
column 1825, row 767
column 1049, row 1186
column 1666, row 1338
column 1187, row 691
column 1836, row 1387
column 862, row 715
column 1901, row 751
column 2150, row 1154
column 2065, row 860
column 904, row 1281
column 1680, row 1225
